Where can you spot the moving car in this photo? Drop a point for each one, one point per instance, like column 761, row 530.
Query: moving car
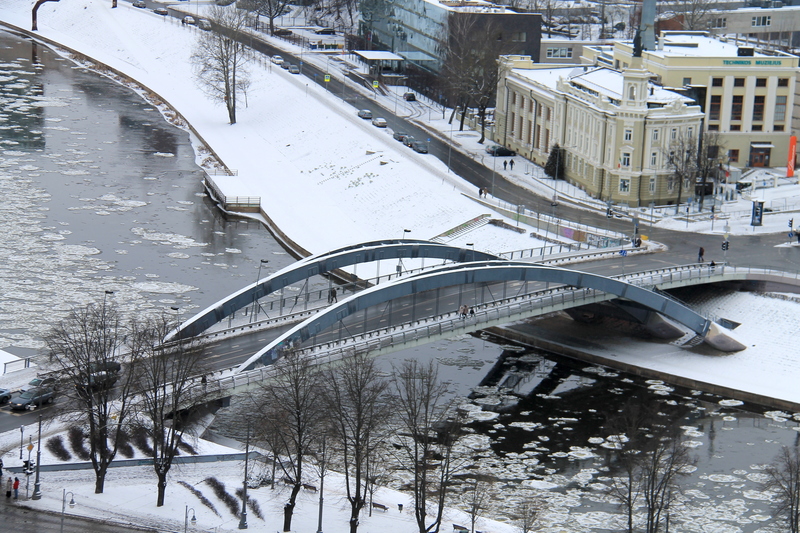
column 278, row 60
column 98, row 381
column 294, row 69
column 325, row 31
column 5, row 395
column 140, row 4
column 188, row 19
column 365, row 113
column 40, row 382
column 161, row 11
column 420, row 147
column 398, row 136
column 32, row 398
column 203, row 24
column 285, row 65
column 282, row 32
column 379, row 122
column 410, row 97
column 408, row 140
column 105, row 366
column 499, row 151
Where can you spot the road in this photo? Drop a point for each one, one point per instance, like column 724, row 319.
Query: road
column 20, row 519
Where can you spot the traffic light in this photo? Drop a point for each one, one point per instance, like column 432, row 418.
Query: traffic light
column 608, row 213
column 725, row 245
column 791, row 222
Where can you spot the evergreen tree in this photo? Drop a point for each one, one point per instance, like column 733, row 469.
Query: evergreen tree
column 555, row 163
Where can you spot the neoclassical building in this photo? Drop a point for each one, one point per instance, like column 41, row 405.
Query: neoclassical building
column 617, row 128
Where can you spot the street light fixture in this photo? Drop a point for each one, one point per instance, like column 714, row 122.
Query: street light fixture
column 37, row 487
column 254, row 310
column 399, row 260
column 243, row 518
column 186, row 519
column 64, row 505
column 21, row 442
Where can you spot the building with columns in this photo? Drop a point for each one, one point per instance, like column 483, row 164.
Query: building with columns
column 617, row 128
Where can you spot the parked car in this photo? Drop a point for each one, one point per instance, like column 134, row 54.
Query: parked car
column 285, row 65
column 420, row 147
column 203, row 24
column 379, row 122
column 365, row 113
column 282, row 32
column 40, row 382
column 97, row 381
column 5, row 396
column 410, row 97
column 398, row 136
column 499, row 151
column 140, row 4
column 161, row 11
column 294, row 69
column 325, row 31
column 188, row 19
column 278, row 60
column 105, row 366
column 32, row 398
column 224, row 2
column 408, row 140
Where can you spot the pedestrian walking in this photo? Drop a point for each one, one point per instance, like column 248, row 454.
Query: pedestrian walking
column 16, row 487
column 505, row 165
column 511, row 164
column 8, row 488
column 700, row 254
column 480, row 192
column 471, row 312
column 333, row 295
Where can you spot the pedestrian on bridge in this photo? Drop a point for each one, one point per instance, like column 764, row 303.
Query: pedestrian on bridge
column 332, row 296
column 700, row 254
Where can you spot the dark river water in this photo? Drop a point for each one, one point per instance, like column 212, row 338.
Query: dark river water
column 99, row 194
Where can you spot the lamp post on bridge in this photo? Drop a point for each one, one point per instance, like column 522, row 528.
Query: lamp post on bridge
column 399, row 260
column 254, row 311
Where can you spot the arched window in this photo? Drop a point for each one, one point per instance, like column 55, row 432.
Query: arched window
column 631, row 93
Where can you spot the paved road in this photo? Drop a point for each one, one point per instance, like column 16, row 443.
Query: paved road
column 18, row 519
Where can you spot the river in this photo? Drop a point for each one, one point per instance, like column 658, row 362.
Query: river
column 101, row 194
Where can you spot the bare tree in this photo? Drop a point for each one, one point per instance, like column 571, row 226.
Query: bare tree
column 289, row 420
column 529, row 512
column 171, row 390
column 219, row 57
column 695, row 13
column 784, row 481
column 271, row 9
column 86, row 346
column 424, row 437
column 689, row 156
column 355, row 396
column 476, row 500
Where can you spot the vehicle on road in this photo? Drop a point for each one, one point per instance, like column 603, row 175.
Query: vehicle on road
column 105, row 366
column 97, row 381
column 408, row 140
column 188, row 19
column 379, row 122
column 365, row 114
column 5, row 396
column 325, row 31
column 278, row 60
column 499, row 151
column 140, row 4
column 161, row 11
column 282, row 32
column 285, row 65
column 294, row 69
column 410, row 97
column 420, row 147
column 33, row 398
column 398, row 136
column 40, row 382
column 203, row 24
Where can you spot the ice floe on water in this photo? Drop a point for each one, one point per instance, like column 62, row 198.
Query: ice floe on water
column 727, row 403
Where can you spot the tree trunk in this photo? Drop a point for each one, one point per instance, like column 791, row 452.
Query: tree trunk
column 288, row 509
column 162, row 488
column 34, row 19
column 100, row 481
column 354, row 524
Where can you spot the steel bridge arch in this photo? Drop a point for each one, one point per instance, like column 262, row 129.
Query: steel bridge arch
column 478, row 272
column 323, row 263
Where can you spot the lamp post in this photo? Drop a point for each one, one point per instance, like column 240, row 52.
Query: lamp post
column 322, row 467
column 399, row 260
column 243, row 518
column 450, row 146
column 37, row 488
column 21, row 443
column 254, row 312
column 64, row 505
column 186, row 519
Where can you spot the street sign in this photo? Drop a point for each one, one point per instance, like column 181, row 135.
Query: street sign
column 623, row 253
column 327, row 77
column 375, row 84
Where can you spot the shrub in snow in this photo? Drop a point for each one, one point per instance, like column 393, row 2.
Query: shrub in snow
column 141, row 441
column 55, row 445
column 199, row 495
column 228, row 499
column 125, row 447
column 76, row 438
column 251, row 503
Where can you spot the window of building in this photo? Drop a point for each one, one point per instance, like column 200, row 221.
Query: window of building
column 513, row 98
column 719, row 22
column 758, row 127
column 736, row 107
column 716, row 82
column 735, row 127
column 624, row 185
column 559, row 52
column 652, row 185
column 671, row 184
column 655, row 135
column 733, row 156
column 738, row 82
column 761, row 82
column 673, row 134
column 626, row 159
column 628, row 134
column 783, row 82
column 519, row 37
column 714, row 108
column 687, row 81
column 653, row 159
column 780, row 109
column 758, row 109
column 713, row 127
column 763, row 20
column 690, row 132
column 777, row 127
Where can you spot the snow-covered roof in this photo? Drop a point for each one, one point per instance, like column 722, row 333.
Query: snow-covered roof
column 471, row 6
column 377, row 55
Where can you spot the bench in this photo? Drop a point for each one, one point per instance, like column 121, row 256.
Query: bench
column 312, row 488
column 376, row 505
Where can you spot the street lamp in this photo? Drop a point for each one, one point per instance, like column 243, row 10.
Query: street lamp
column 186, row 519
column 243, row 518
column 64, row 505
column 254, row 311
column 399, row 260
column 322, row 468
column 37, row 488
column 21, row 443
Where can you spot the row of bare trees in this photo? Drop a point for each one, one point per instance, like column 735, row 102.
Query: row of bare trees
column 154, row 391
